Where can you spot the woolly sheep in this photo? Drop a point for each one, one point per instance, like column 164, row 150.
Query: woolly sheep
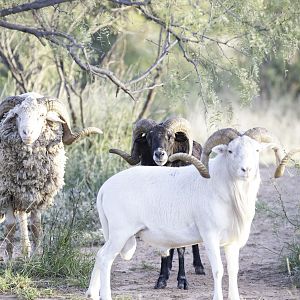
column 33, row 131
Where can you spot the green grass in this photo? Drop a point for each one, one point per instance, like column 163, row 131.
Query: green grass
column 21, row 286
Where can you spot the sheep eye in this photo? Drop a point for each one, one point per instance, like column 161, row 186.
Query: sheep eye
column 257, row 150
column 229, row 151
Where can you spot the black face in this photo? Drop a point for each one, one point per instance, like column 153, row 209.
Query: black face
column 161, row 142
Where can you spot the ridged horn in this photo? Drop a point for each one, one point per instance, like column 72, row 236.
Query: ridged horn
column 262, row 135
column 131, row 160
column 178, row 124
column 192, row 160
column 281, row 168
column 69, row 137
column 222, row 136
column 141, row 127
column 8, row 103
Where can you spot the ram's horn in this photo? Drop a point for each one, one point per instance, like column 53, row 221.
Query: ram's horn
column 192, row 160
column 69, row 137
column 131, row 160
column 8, row 103
column 280, row 169
column 141, row 127
column 178, row 124
column 262, row 135
column 222, row 136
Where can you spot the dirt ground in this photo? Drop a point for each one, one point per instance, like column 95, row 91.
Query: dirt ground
column 261, row 273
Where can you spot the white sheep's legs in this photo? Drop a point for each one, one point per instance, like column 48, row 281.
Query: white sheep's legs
column 10, row 231
column 36, row 228
column 25, row 243
column 232, row 258
column 102, row 268
column 213, row 250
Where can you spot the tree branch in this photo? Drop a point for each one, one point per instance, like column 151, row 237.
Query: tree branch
column 131, row 3
column 30, row 6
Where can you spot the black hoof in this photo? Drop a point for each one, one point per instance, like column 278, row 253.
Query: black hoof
column 161, row 283
column 183, row 284
column 199, row 270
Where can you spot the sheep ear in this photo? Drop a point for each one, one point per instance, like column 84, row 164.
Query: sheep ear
column 10, row 115
column 180, row 137
column 219, row 149
column 53, row 116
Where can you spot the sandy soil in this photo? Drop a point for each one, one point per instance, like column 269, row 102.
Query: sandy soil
column 261, row 273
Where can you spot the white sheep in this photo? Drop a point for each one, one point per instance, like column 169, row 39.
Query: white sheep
column 175, row 207
column 33, row 131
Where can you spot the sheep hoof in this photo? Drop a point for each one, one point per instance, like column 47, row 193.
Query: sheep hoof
column 161, row 282
column 199, row 270
column 182, row 283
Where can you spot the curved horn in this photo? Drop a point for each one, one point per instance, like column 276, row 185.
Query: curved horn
column 280, row 169
column 262, row 135
column 178, row 124
column 192, row 160
column 69, row 137
column 131, row 160
column 142, row 126
column 8, row 103
column 222, row 136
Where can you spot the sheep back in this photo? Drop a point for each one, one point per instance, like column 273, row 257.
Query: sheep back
column 30, row 176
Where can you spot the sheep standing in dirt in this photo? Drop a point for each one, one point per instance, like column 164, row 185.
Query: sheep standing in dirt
column 33, row 131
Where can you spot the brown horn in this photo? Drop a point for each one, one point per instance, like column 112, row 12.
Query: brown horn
column 262, row 135
column 192, row 160
column 141, row 127
column 222, row 136
column 69, row 137
column 8, row 103
column 280, row 169
column 131, row 160
column 178, row 124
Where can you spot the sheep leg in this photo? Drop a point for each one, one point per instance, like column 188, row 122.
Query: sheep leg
column 10, row 231
column 164, row 273
column 102, row 268
column 232, row 258
column 197, row 263
column 213, row 251
column 36, row 228
column 170, row 259
column 181, row 278
column 25, row 243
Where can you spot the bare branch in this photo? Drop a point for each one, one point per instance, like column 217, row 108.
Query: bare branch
column 164, row 53
column 131, row 3
column 30, row 6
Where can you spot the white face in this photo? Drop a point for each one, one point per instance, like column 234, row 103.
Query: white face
column 30, row 121
column 242, row 155
column 30, row 117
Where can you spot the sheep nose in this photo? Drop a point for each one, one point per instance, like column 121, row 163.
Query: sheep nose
column 27, row 131
column 246, row 169
column 159, row 154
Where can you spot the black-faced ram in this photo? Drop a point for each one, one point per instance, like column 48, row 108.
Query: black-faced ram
column 152, row 145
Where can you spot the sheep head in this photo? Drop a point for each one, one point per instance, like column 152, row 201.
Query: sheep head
column 31, row 112
column 241, row 151
column 169, row 137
